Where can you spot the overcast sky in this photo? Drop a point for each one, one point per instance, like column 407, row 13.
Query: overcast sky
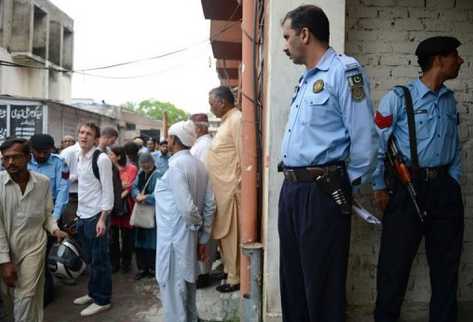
column 114, row 31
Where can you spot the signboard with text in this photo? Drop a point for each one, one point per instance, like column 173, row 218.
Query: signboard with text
column 26, row 120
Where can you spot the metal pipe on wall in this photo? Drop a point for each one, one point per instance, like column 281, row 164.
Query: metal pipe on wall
column 248, row 215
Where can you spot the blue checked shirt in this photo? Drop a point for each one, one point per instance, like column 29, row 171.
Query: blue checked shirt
column 436, row 122
column 57, row 171
column 329, row 119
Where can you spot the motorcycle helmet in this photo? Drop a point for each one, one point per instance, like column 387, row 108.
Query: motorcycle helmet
column 65, row 260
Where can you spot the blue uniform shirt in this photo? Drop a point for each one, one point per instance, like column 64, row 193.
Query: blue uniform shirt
column 56, row 170
column 331, row 117
column 436, row 121
column 161, row 162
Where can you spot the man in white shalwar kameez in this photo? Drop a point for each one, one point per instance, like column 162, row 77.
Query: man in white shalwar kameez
column 25, row 216
column 184, row 213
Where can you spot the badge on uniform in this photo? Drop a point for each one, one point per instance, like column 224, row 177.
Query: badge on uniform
column 318, row 86
column 356, row 84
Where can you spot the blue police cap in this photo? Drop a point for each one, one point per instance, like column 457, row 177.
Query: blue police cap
column 439, row 45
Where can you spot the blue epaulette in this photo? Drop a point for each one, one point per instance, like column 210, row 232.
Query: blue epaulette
column 348, row 62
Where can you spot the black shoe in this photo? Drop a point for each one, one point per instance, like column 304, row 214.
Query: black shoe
column 218, row 276
column 150, row 274
column 203, row 280
column 228, row 288
column 141, row 275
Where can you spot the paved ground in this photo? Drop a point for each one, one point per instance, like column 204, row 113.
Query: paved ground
column 132, row 302
column 139, row 302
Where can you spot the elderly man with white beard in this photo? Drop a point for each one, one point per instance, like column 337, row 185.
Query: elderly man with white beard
column 184, row 213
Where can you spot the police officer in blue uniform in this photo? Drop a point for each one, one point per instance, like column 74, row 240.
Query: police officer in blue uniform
column 54, row 167
column 435, row 179
column 328, row 146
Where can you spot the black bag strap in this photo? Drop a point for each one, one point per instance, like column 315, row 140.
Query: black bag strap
column 95, row 166
column 412, row 127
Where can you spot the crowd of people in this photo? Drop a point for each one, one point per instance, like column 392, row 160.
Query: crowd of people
column 175, row 204
column 148, row 199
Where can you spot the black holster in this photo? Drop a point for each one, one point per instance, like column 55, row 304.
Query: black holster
column 335, row 184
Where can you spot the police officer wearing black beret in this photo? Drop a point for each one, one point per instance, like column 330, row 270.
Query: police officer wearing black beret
column 430, row 148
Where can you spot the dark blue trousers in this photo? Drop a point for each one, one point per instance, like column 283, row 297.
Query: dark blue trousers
column 314, row 243
column 97, row 256
column 400, row 240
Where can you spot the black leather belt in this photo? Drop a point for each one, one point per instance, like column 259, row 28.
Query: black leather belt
column 432, row 173
column 309, row 174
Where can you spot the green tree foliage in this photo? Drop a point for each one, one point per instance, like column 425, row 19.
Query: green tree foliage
column 154, row 109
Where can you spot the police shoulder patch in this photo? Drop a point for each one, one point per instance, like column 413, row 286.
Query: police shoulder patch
column 356, row 84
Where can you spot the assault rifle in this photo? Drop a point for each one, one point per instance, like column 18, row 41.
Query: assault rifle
column 400, row 168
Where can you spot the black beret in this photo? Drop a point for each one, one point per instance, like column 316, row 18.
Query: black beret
column 439, row 45
column 42, row 141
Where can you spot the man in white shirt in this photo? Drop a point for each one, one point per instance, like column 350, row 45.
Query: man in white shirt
column 95, row 204
column 185, row 208
column 204, row 140
column 200, row 150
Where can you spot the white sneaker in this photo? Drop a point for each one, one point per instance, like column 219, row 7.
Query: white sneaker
column 94, row 309
column 86, row 299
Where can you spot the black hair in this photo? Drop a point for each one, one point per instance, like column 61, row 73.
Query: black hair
column 163, row 142
column 426, row 62
column 92, row 126
column 119, row 151
column 131, row 150
column 9, row 142
column 223, row 93
column 312, row 18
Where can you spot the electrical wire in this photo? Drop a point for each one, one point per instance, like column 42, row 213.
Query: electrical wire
column 156, row 57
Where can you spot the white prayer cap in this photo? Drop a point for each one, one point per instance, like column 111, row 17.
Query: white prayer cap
column 185, row 131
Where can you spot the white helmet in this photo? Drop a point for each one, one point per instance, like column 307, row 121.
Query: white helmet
column 65, row 260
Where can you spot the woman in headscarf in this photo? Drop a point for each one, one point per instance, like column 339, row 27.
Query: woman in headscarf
column 145, row 239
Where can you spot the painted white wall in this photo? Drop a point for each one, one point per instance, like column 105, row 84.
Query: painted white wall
column 282, row 76
column 32, row 83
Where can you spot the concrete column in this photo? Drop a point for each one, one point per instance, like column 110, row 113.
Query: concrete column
column 282, row 75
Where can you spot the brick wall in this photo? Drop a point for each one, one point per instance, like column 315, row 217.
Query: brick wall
column 383, row 35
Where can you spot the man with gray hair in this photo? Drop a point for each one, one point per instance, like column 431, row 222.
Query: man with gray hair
column 224, row 165
column 184, row 214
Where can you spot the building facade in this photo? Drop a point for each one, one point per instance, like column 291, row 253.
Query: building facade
column 382, row 35
column 36, row 41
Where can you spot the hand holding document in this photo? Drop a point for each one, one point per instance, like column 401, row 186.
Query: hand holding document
column 365, row 214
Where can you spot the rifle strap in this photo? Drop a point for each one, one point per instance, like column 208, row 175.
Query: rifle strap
column 411, row 126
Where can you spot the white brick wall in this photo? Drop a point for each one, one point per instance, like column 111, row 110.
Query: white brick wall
column 383, row 35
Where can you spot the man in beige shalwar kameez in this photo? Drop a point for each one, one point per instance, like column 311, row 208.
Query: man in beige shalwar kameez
column 224, row 166
column 25, row 216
